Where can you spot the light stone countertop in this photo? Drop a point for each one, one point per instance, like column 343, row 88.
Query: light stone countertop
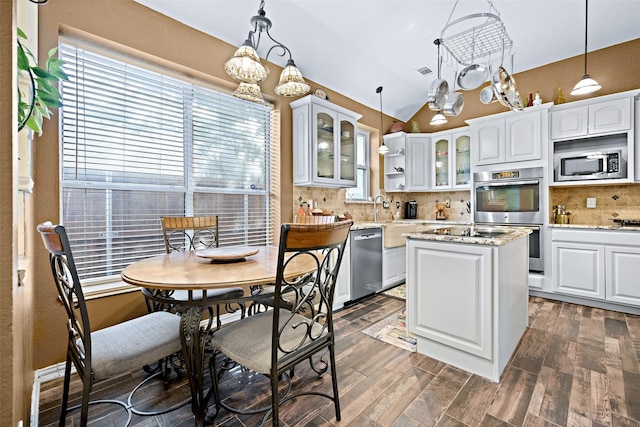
column 371, row 224
column 510, row 235
column 614, row 227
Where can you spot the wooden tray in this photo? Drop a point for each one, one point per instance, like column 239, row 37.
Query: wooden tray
column 235, row 253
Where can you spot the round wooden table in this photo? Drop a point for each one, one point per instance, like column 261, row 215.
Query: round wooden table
column 185, row 271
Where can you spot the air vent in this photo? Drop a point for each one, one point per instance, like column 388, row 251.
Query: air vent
column 425, row 71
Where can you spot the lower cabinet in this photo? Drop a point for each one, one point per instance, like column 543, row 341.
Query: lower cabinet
column 394, row 266
column 585, row 267
column 343, row 282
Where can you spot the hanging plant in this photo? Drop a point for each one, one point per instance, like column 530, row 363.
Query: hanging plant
column 43, row 94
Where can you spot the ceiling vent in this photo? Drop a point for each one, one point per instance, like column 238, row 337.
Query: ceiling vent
column 425, row 71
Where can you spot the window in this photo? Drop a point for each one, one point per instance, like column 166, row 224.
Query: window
column 361, row 192
column 138, row 145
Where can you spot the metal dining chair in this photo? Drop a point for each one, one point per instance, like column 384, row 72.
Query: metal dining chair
column 193, row 233
column 104, row 353
column 273, row 342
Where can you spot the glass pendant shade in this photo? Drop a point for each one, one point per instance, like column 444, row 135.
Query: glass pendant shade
column 245, row 66
column 383, row 149
column 249, row 92
column 585, row 86
column 438, row 119
column 291, row 82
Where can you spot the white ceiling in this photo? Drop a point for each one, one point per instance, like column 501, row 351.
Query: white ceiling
column 354, row 46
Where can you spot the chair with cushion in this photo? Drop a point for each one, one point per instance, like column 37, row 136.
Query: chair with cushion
column 104, row 353
column 193, row 233
column 274, row 341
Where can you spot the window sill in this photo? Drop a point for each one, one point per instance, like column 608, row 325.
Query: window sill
column 109, row 289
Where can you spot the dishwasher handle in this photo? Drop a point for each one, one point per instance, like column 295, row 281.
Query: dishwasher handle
column 365, row 236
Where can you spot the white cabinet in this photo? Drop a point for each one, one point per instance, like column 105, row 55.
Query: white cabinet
column 416, row 161
column 578, row 269
column 395, row 162
column 622, row 274
column 342, row 293
column 591, row 119
column 602, row 265
column 324, row 149
column 467, row 303
column 394, row 264
column 451, row 154
column 511, row 137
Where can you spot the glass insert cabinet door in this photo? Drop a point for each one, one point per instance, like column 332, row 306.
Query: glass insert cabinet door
column 462, row 143
column 325, row 146
column 441, row 162
column 347, row 151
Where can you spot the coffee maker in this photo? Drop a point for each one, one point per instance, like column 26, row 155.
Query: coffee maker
column 411, row 210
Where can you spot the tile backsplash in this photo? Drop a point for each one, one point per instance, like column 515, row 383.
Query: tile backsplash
column 612, row 201
column 333, row 201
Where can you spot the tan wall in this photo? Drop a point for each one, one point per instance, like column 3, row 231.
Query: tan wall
column 140, row 29
column 617, row 69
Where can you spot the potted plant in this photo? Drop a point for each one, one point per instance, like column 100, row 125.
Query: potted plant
column 43, row 94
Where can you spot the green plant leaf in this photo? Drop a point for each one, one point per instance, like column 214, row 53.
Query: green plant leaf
column 21, row 34
column 23, row 60
column 43, row 73
column 48, row 100
column 35, row 122
column 52, row 52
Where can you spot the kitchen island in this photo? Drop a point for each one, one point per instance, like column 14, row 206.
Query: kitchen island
column 467, row 295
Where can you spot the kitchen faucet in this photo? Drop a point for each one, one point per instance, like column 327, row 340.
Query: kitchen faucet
column 375, row 206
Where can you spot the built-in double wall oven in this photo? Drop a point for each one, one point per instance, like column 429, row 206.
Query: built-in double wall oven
column 513, row 198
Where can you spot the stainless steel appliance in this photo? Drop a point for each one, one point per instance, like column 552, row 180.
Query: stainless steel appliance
column 513, row 198
column 411, row 210
column 366, row 262
column 593, row 165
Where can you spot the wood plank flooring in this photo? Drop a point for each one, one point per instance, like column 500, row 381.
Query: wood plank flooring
column 575, row 366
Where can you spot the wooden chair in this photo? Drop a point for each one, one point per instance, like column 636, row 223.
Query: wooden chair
column 273, row 342
column 105, row 353
column 193, row 233
column 315, row 219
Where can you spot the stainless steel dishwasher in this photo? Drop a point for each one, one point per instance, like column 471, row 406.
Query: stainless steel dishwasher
column 366, row 262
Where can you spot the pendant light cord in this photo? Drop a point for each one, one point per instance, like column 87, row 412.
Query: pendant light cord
column 379, row 90
column 586, row 26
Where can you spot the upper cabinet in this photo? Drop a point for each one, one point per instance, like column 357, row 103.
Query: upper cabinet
column 451, row 164
column 324, row 149
column 395, row 178
column 591, row 119
column 417, row 160
column 510, row 137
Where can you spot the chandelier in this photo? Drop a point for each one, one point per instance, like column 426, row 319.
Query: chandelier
column 245, row 65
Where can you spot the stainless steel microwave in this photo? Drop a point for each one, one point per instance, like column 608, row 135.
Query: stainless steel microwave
column 595, row 165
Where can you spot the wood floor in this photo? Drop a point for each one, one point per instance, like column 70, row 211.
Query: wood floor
column 575, row 366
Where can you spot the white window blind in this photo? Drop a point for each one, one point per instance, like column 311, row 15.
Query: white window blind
column 138, row 145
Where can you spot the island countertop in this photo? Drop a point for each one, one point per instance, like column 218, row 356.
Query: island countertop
column 477, row 235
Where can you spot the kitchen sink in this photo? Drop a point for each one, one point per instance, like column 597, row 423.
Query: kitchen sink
column 392, row 234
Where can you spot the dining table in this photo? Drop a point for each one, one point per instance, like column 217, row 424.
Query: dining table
column 196, row 272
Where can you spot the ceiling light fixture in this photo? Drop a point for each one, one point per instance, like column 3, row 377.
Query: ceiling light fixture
column 246, row 67
column 586, row 85
column 382, row 149
column 438, row 119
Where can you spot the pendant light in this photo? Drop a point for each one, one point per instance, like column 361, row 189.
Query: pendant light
column 245, row 65
column 586, row 85
column 382, row 149
column 438, row 119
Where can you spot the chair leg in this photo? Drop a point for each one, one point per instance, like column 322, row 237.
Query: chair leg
column 86, row 390
column 334, row 381
column 65, row 392
column 275, row 401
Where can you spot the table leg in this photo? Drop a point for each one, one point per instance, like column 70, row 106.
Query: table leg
column 194, row 343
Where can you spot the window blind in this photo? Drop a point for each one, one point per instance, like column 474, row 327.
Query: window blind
column 138, row 145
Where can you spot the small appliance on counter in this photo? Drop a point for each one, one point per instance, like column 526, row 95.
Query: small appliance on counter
column 440, row 211
column 411, row 210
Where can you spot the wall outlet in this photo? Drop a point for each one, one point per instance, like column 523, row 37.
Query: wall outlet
column 448, row 202
column 591, row 202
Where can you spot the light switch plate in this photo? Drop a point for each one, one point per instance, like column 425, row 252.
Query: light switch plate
column 591, row 202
